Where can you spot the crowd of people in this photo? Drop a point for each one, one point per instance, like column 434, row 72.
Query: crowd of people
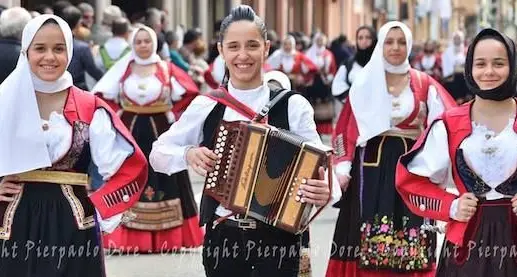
column 100, row 125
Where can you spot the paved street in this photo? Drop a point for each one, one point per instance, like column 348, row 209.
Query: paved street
column 189, row 263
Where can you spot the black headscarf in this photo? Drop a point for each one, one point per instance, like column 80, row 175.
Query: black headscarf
column 362, row 56
column 506, row 89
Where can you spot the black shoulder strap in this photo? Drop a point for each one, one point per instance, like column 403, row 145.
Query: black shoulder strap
column 349, row 65
column 277, row 94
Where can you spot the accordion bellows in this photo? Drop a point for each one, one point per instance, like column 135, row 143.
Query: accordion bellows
column 260, row 170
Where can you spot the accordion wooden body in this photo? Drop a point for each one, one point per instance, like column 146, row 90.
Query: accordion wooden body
column 260, row 170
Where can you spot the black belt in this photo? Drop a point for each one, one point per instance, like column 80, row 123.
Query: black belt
column 244, row 224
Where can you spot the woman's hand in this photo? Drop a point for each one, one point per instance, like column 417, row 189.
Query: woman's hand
column 467, row 206
column 8, row 188
column 201, row 159
column 514, row 204
column 315, row 191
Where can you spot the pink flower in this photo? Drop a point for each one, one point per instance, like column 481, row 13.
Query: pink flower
column 412, row 233
column 385, row 228
column 400, row 252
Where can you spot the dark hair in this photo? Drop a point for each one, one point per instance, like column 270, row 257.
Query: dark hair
column 240, row 13
column 191, row 36
column 120, row 26
column 60, row 6
column 72, row 15
column 50, row 21
column 41, row 8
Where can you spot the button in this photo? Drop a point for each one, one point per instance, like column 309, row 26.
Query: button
column 125, row 198
column 422, row 207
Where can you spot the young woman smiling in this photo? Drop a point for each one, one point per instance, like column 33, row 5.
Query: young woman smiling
column 50, row 132
column 244, row 47
column 473, row 147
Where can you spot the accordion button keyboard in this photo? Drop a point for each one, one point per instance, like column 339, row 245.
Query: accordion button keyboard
column 297, row 198
column 304, row 181
column 224, row 138
column 225, row 132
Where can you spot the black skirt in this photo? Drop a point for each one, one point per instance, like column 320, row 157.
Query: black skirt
column 374, row 227
column 160, row 187
column 45, row 240
column 489, row 244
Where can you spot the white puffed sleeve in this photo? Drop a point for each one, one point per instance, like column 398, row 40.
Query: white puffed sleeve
column 109, row 149
column 177, row 90
column 168, row 153
column 434, row 104
column 340, row 84
column 433, row 160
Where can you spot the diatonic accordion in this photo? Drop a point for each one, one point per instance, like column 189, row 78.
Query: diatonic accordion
column 260, row 170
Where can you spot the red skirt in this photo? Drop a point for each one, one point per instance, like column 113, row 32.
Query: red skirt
column 130, row 241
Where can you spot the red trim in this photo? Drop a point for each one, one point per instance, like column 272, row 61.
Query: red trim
column 324, row 128
column 222, row 96
column 82, row 106
column 188, row 235
column 192, row 91
column 345, row 134
column 209, row 78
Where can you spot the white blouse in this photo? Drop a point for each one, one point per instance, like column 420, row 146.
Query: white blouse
column 402, row 107
column 144, row 90
column 168, row 153
column 340, row 82
column 492, row 157
column 108, row 148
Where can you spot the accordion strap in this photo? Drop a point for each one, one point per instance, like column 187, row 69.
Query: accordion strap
column 320, row 209
column 265, row 110
column 221, row 95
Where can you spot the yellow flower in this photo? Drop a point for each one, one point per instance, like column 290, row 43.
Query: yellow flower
column 389, row 239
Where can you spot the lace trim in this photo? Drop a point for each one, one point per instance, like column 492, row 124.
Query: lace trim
column 83, row 222
column 5, row 228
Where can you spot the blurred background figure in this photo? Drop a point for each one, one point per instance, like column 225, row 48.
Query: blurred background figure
column 12, row 22
column 453, row 65
column 429, row 61
column 82, row 61
column 115, row 47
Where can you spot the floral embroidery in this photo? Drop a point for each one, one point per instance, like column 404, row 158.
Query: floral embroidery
column 383, row 247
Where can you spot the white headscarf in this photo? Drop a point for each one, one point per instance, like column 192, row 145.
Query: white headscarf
column 315, row 52
column 453, row 54
column 278, row 76
column 22, row 144
column 281, row 57
column 108, row 85
column 369, row 96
